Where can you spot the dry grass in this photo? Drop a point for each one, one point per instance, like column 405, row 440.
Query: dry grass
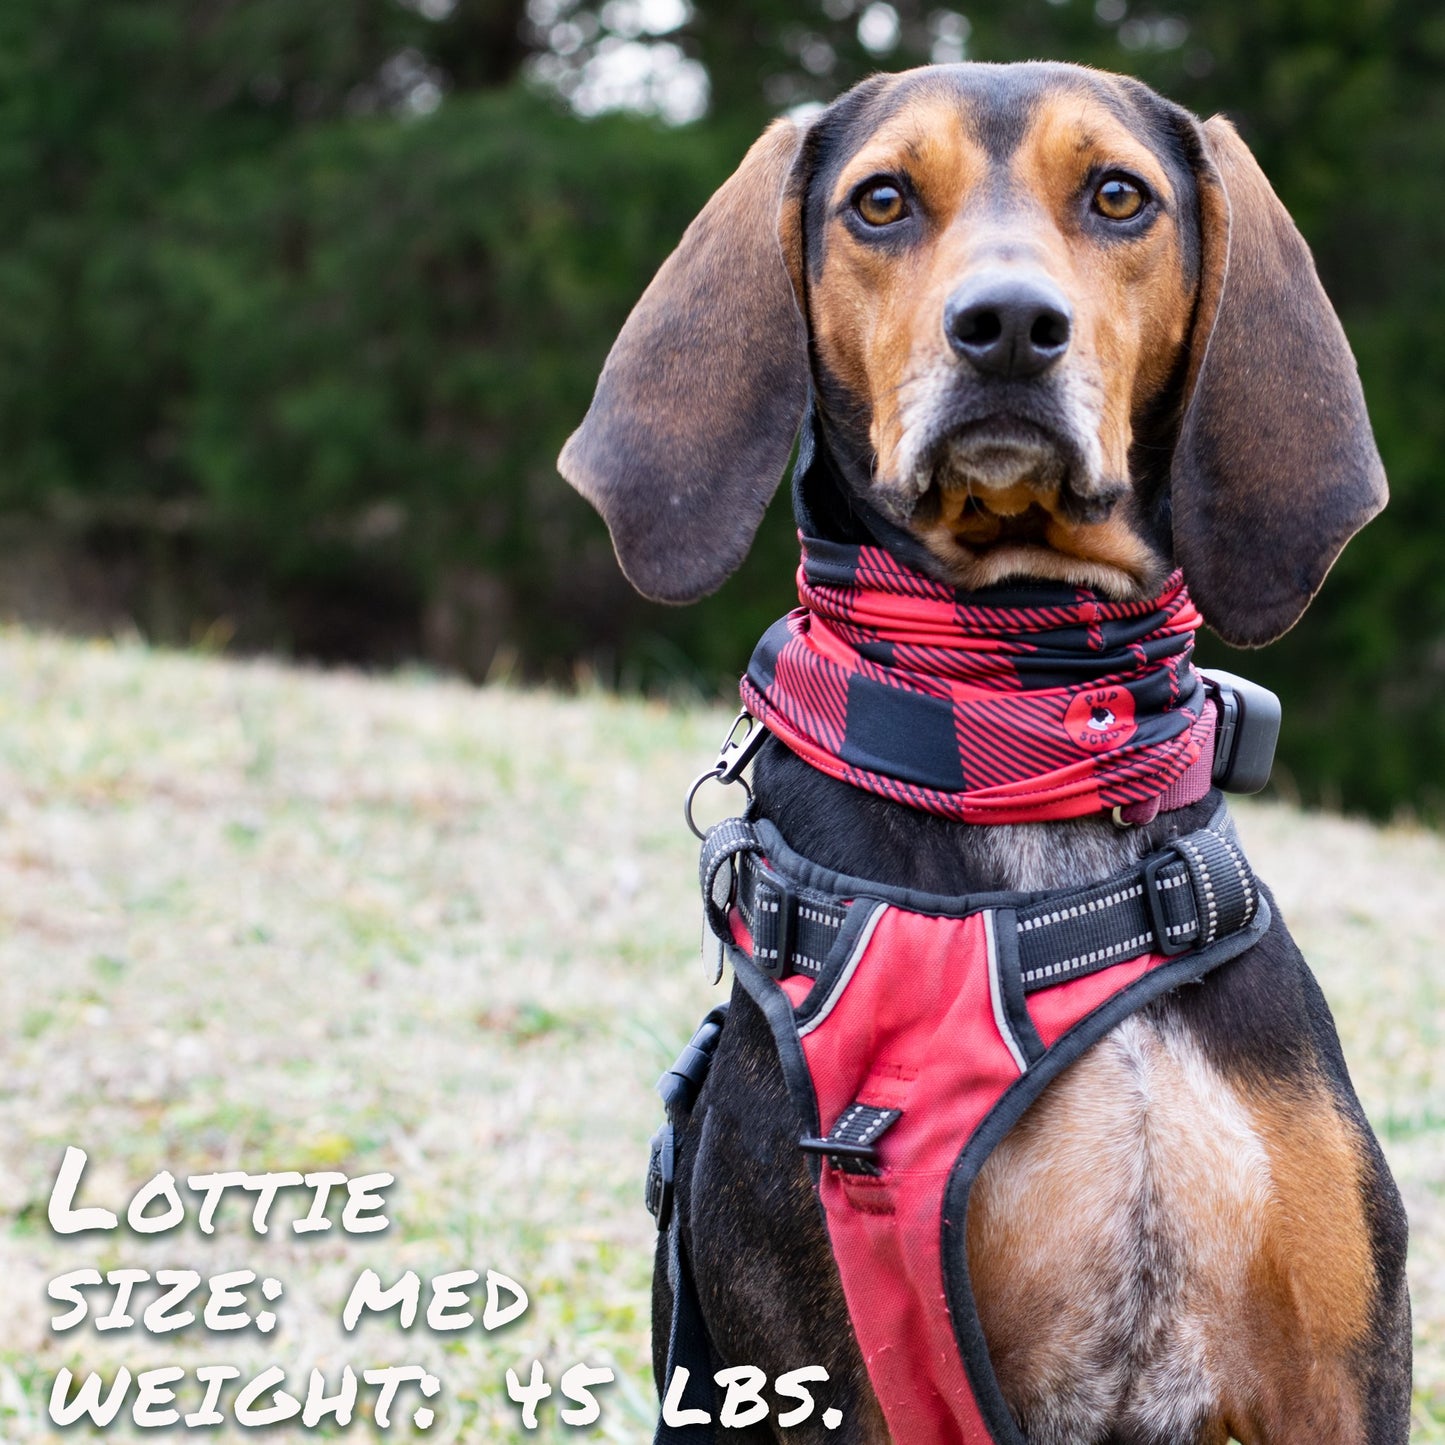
column 257, row 918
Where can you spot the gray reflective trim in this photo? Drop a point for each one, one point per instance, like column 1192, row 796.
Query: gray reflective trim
column 995, row 995
column 865, row 937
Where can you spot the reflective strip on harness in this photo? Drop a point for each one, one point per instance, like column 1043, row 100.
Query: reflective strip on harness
column 926, row 1013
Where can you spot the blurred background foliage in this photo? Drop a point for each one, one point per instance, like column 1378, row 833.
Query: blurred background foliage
column 299, row 299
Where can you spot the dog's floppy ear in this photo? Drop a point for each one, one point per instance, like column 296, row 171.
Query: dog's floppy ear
column 1275, row 467
column 700, row 400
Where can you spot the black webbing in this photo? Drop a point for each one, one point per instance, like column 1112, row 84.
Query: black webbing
column 849, row 1144
column 1074, row 933
column 1194, row 890
column 724, row 841
column 793, row 929
column 1191, row 892
column 688, row 1349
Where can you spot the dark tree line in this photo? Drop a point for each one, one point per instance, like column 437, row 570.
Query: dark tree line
column 298, row 301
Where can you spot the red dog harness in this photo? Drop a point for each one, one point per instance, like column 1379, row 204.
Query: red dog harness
column 914, row 1030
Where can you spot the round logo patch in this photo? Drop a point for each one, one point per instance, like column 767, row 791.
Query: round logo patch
column 1100, row 718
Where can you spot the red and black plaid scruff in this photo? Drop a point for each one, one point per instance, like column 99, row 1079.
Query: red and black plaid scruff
column 1012, row 705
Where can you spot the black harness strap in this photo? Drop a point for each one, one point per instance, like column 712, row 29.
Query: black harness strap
column 721, row 844
column 1197, row 888
column 793, row 929
column 1194, row 896
column 688, row 1346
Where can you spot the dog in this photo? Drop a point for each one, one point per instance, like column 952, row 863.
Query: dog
column 1045, row 325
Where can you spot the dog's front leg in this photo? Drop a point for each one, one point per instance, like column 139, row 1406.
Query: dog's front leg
column 754, row 1236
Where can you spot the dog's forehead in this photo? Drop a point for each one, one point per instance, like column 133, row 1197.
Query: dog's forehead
column 988, row 112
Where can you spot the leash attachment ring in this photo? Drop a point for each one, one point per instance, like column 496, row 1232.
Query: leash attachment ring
column 712, row 775
column 732, row 758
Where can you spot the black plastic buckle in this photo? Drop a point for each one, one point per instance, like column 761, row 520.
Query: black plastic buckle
column 1154, row 902
column 851, row 1143
column 838, row 1147
column 779, row 936
column 660, row 1165
column 680, row 1085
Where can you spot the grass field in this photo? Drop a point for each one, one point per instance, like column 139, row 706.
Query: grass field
column 259, row 918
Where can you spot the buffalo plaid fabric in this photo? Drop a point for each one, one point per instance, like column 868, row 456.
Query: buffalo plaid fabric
column 1010, row 705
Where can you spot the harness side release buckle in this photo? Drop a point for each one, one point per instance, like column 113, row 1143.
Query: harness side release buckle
column 682, row 1083
column 679, row 1088
column 661, row 1164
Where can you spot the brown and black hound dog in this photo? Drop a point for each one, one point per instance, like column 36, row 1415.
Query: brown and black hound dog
column 1055, row 327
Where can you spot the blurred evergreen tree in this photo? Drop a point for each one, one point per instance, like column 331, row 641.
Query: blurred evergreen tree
column 299, row 302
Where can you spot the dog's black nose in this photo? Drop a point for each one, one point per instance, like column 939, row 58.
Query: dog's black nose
column 1008, row 327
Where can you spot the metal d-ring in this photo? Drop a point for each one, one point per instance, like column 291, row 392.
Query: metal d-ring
column 707, row 777
column 728, row 767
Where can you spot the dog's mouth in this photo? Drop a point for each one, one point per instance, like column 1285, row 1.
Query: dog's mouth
column 1000, row 454
column 977, row 525
column 1005, row 498
column 1005, row 478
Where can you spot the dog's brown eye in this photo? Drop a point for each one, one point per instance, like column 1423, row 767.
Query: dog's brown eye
column 1118, row 199
column 881, row 204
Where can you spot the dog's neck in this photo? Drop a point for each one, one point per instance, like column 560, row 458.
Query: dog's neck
column 830, row 500
column 1035, row 701
column 852, row 830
